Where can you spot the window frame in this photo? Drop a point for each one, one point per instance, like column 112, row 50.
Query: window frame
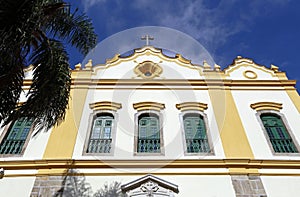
column 288, row 130
column 208, row 133
column 6, row 131
column 136, row 133
column 91, row 120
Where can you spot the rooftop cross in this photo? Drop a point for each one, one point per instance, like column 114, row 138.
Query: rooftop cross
column 147, row 38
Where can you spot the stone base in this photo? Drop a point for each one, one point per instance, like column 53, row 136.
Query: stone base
column 248, row 186
column 47, row 186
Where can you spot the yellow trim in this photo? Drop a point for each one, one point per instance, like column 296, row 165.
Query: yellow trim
column 182, row 59
column 291, row 92
column 191, row 106
column 105, row 105
column 266, row 106
column 250, row 74
column 153, row 173
column 87, row 82
column 228, row 120
column 184, row 163
column 148, row 106
column 294, row 96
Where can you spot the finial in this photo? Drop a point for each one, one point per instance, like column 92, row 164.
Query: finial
column 206, row 66
column 78, row 66
column 147, row 38
column 274, row 68
column 217, row 67
column 89, row 65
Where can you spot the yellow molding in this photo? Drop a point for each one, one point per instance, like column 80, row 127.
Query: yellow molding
column 153, row 173
column 266, row 106
column 186, row 82
column 191, row 106
column 148, row 106
column 114, row 59
column 103, row 164
column 250, row 74
column 105, row 105
column 182, row 59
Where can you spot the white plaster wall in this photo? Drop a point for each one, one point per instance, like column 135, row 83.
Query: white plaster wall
column 189, row 186
column 281, row 186
column 172, row 130
column 254, row 131
column 16, row 187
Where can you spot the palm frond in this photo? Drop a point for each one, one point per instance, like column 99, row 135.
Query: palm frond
column 49, row 93
column 75, row 28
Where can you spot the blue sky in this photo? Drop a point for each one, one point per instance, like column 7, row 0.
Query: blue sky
column 267, row 31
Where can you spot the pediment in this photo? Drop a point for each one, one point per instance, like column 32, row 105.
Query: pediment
column 149, row 184
column 247, row 69
column 147, row 63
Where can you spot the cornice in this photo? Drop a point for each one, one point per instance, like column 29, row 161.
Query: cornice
column 225, row 83
column 185, row 163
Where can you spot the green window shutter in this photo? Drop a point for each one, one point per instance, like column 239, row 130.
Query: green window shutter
column 279, row 137
column 148, row 134
column 15, row 138
column 195, row 134
column 101, row 135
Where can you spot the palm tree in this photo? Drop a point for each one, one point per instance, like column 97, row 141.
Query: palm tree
column 32, row 32
column 111, row 190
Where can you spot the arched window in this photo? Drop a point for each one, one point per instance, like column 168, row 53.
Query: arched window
column 278, row 135
column 101, row 135
column 195, row 134
column 14, row 140
column 148, row 133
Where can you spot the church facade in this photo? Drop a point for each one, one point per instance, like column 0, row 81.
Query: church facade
column 162, row 126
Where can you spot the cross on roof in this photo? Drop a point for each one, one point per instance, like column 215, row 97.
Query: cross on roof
column 147, row 38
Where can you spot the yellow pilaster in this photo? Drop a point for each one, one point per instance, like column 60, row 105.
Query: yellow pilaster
column 291, row 91
column 63, row 137
column 232, row 132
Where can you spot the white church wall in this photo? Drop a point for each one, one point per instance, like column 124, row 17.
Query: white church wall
column 254, row 131
column 17, row 186
column 279, row 186
column 195, row 185
column 125, row 119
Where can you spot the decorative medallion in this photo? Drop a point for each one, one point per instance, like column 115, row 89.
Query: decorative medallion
column 148, row 70
column 250, row 74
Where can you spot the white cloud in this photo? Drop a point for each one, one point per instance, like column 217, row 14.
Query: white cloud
column 87, row 4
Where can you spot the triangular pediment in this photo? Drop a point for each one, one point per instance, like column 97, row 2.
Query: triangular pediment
column 150, row 184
